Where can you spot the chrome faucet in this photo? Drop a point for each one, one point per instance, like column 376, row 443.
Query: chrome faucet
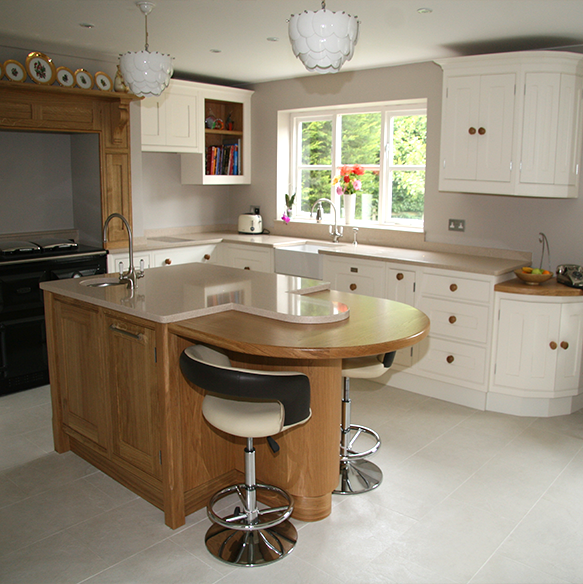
column 337, row 231
column 132, row 275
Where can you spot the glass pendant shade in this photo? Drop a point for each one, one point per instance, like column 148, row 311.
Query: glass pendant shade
column 146, row 74
column 323, row 40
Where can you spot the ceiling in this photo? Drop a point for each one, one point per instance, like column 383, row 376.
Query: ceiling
column 228, row 39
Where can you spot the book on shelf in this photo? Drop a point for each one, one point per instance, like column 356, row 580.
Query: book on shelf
column 224, row 159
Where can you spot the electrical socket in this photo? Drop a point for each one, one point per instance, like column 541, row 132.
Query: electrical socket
column 254, row 209
column 457, row 225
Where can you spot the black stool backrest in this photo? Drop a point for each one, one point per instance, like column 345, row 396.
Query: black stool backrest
column 292, row 389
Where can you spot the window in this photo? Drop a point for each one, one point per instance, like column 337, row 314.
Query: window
column 386, row 140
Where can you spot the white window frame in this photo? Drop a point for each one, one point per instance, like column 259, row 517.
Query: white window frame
column 388, row 111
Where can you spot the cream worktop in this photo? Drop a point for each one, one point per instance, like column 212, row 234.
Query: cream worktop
column 175, row 293
column 465, row 262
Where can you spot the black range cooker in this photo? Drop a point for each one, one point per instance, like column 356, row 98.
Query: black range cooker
column 23, row 266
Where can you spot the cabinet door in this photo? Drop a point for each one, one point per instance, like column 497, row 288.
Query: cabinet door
column 131, row 369
column 568, row 131
column 570, row 347
column 525, row 358
column 539, row 135
column 181, row 121
column 81, row 373
column 401, row 287
column 153, row 118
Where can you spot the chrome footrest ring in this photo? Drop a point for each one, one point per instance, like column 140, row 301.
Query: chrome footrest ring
column 347, row 453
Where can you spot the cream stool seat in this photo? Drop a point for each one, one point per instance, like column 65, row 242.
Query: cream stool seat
column 358, row 475
column 249, row 404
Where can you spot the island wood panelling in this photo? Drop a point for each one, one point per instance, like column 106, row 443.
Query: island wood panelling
column 30, row 107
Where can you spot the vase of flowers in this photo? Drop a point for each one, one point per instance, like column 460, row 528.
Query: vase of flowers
column 289, row 203
column 348, row 184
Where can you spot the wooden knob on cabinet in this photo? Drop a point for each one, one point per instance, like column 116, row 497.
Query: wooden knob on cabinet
column 471, row 131
column 553, row 345
column 450, row 358
column 564, row 345
column 453, row 287
column 167, row 261
column 481, row 131
column 206, row 256
column 246, row 268
column 452, row 319
column 400, row 276
column 353, row 287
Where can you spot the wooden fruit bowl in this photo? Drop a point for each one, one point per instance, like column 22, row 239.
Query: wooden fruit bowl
column 532, row 279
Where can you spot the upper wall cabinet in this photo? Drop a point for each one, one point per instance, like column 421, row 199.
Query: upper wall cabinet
column 171, row 121
column 511, row 124
column 209, row 125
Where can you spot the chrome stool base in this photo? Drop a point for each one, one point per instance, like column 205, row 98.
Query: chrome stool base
column 251, row 548
column 358, row 476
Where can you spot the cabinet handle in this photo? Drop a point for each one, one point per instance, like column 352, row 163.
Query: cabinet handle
column 453, row 287
column 452, row 319
column 472, row 131
column 564, row 345
column 553, row 345
column 450, row 359
column 481, row 131
column 353, row 287
column 246, row 268
column 167, row 261
column 206, row 256
column 400, row 276
column 116, row 329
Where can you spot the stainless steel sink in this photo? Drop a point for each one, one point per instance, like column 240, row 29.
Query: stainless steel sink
column 302, row 260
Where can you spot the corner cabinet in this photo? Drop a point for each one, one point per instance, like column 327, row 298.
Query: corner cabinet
column 511, row 124
column 208, row 125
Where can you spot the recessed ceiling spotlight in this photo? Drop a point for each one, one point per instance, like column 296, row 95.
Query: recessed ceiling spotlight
column 86, row 25
column 272, row 39
column 424, row 10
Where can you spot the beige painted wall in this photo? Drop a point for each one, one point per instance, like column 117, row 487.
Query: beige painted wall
column 491, row 221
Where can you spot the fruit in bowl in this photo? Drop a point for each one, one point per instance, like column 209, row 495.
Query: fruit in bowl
column 533, row 276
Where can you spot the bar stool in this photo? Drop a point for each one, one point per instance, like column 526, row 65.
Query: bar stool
column 358, row 475
column 249, row 404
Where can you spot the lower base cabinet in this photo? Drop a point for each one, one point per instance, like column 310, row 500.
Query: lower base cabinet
column 539, row 346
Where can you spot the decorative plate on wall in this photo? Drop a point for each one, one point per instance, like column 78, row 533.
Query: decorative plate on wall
column 103, row 81
column 14, row 70
column 83, row 79
column 40, row 68
column 65, row 77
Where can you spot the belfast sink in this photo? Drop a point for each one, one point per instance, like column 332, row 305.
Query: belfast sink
column 302, row 260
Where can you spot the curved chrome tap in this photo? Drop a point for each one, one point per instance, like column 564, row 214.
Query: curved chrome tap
column 337, row 231
column 132, row 275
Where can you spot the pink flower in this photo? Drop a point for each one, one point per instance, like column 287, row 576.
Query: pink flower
column 356, row 184
column 339, row 190
column 285, row 218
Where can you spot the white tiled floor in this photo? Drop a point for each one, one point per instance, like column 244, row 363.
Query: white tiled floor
column 467, row 496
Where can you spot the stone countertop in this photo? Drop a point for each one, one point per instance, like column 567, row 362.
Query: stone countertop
column 176, row 293
column 478, row 264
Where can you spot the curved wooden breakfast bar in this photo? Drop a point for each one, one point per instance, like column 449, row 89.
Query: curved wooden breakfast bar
column 196, row 459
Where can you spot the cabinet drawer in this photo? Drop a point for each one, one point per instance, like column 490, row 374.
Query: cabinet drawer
column 451, row 359
column 248, row 257
column 185, row 255
column 457, row 319
column 359, row 276
column 456, row 288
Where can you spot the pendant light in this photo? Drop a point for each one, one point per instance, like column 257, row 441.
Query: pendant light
column 146, row 73
column 323, row 40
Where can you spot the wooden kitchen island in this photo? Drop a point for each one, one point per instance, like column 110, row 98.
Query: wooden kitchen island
column 120, row 401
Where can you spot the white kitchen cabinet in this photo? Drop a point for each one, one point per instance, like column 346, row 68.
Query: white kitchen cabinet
column 121, row 261
column 183, row 255
column 357, row 275
column 477, row 128
column 539, row 346
column 511, row 124
column 171, row 122
column 459, row 306
column 246, row 257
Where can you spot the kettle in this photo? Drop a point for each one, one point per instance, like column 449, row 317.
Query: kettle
column 250, row 223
